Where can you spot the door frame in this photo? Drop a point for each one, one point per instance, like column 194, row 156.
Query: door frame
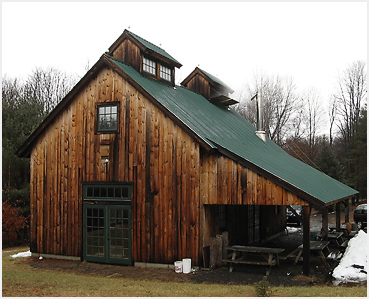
column 107, row 196
column 106, row 257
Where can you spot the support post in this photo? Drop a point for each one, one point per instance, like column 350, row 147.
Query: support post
column 338, row 216
column 324, row 231
column 306, row 240
column 347, row 210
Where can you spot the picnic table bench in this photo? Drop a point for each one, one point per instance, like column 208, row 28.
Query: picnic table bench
column 318, row 246
column 250, row 254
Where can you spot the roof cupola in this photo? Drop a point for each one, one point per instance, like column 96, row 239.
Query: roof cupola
column 212, row 88
column 147, row 58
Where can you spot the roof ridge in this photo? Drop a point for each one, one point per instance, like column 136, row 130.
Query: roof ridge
column 160, row 51
column 135, row 35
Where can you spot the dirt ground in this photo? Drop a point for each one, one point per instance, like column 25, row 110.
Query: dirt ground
column 286, row 274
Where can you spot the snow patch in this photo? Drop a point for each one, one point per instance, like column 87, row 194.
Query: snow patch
column 353, row 265
column 291, row 230
column 22, row 254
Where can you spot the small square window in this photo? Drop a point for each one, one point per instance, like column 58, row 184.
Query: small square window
column 107, row 118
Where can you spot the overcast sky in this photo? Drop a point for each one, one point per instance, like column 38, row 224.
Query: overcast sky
column 310, row 42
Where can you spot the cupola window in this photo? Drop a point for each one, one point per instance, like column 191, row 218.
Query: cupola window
column 149, row 66
column 165, row 73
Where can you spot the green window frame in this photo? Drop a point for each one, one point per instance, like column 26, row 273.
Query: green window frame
column 107, row 234
column 165, row 73
column 149, row 66
column 108, row 192
column 107, row 118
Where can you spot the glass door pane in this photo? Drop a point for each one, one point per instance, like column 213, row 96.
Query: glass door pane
column 119, row 234
column 94, row 233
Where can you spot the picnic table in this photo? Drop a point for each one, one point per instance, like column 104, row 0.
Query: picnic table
column 335, row 237
column 318, row 246
column 251, row 255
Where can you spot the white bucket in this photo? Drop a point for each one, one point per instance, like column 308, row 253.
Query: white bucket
column 186, row 265
column 178, row 266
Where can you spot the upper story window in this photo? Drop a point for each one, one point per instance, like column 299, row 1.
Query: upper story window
column 165, row 73
column 107, row 118
column 149, row 66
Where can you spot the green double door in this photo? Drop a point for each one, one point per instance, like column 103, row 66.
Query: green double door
column 107, row 234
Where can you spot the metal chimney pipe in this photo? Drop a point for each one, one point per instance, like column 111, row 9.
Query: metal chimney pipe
column 259, row 123
column 260, row 111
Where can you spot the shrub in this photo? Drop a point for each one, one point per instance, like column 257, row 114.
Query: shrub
column 262, row 288
column 12, row 223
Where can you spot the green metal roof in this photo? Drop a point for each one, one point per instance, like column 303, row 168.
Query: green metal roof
column 153, row 47
column 223, row 127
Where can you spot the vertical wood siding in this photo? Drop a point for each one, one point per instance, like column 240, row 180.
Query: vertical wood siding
column 224, row 181
column 171, row 179
column 160, row 159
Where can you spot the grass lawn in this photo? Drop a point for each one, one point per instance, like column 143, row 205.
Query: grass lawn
column 20, row 279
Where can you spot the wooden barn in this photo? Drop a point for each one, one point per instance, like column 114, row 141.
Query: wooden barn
column 130, row 167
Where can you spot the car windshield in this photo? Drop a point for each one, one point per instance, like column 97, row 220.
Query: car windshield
column 361, row 209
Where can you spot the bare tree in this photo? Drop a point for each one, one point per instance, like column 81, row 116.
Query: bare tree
column 332, row 117
column 350, row 98
column 49, row 86
column 312, row 115
column 281, row 106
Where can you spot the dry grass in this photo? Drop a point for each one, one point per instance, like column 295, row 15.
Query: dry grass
column 20, row 280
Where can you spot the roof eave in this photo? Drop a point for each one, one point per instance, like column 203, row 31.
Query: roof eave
column 161, row 57
column 341, row 199
column 279, row 181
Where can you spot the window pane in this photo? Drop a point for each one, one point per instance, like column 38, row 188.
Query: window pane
column 165, row 73
column 124, row 192
column 107, row 118
column 149, row 66
column 103, row 192
column 96, row 192
column 118, row 192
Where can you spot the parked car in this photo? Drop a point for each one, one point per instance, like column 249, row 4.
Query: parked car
column 360, row 216
column 292, row 217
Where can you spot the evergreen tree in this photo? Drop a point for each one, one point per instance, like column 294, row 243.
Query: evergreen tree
column 329, row 163
column 357, row 156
